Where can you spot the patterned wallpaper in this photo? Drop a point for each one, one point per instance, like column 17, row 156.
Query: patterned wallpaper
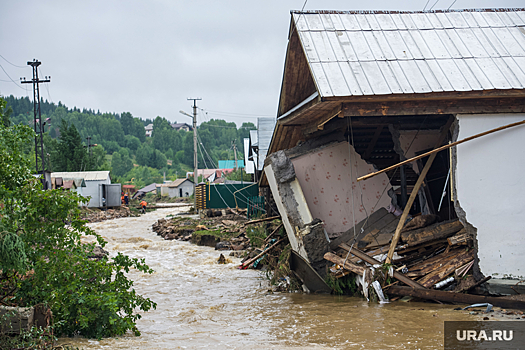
column 327, row 178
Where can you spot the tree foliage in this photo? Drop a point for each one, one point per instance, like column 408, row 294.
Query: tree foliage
column 42, row 258
column 169, row 150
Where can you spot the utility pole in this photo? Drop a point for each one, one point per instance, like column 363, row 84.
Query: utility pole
column 195, row 164
column 234, row 146
column 89, row 145
column 36, row 110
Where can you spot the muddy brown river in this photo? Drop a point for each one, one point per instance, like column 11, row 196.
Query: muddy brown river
column 201, row 304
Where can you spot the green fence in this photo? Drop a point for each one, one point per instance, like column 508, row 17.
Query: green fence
column 221, row 196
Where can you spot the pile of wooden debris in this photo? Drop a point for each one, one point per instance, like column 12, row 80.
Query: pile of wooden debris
column 434, row 259
column 97, row 215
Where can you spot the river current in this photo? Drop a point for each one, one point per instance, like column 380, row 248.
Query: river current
column 201, row 304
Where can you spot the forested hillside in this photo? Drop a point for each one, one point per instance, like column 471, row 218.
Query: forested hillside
column 118, row 142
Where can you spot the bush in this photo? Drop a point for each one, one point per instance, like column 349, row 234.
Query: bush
column 43, row 261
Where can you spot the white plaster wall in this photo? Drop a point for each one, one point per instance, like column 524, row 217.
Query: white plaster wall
column 490, row 183
column 328, row 179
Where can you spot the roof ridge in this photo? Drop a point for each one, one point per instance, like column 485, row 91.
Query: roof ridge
column 377, row 12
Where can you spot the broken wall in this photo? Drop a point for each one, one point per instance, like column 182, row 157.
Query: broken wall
column 414, row 141
column 328, row 180
column 490, row 189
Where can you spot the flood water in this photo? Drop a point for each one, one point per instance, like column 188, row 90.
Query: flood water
column 201, row 304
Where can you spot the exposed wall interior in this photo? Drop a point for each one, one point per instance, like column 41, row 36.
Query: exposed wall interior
column 490, row 188
column 328, row 180
column 414, row 141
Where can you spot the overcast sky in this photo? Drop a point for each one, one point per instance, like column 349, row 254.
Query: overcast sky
column 148, row 57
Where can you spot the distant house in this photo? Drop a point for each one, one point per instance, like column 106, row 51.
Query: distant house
column 149, row 130
column 177, row 188
column 211, row 174
column 182, row 126
column 98, row 187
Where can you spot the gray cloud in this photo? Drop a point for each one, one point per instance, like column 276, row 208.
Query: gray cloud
column 147, row 57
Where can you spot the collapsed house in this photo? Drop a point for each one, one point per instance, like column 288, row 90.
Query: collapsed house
column 363, row 91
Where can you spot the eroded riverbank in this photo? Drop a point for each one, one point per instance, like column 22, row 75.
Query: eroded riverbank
column 202, row 304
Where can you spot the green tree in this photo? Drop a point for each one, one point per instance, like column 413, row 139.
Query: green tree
column 44, row 261
column 5, row 112
column 69, row 153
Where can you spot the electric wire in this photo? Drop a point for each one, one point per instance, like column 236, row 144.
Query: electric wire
column 47, row 88
column 14, row 65
column 451, row 4
column 426, row 5
column 14, row 82
column 434, row 5
column 212, row 162
column 351, row 187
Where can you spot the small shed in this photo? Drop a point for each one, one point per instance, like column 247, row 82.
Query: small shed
column 177, row 188
column 98, row 187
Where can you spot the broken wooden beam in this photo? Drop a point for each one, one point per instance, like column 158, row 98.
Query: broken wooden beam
column 261, row 220
column 360, row 270
column 250, row 261
column 443, row 134
column 443, row 271
column 271, row 234
column 452, row 297
column 459, row 238
column 365, row 257
column 433, row 232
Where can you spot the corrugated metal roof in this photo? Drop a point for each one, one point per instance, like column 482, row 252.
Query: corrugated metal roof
column 265, row 128
column 86, row 175
column 381, row 53
column 230, row 164
column 177, row 182
column 253, row 138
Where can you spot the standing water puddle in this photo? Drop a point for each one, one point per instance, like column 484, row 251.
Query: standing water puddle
column 202, row 304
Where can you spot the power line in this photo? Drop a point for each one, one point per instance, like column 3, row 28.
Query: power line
column 239, row 114
column 426, row 5
column 434, row 5
column 14, row 82
column 14, row 65
column 451, row 4
column 47, row 88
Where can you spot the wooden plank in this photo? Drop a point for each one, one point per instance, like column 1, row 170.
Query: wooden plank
column 438, row 149
column 261, row 220
column 360, row 270
column 433, row 232
column 459, row 238
column 395, row 239
column 466, row 106
column 397, row 275
column 250, row 261
column 452, row 297
column 349, row 234
column 383, row 237
column 271, row 234
column 439, row 274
